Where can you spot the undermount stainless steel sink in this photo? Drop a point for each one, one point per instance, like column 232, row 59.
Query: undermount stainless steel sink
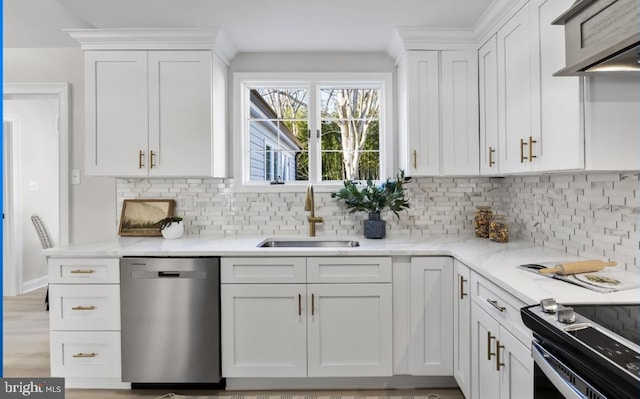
column 284, row 243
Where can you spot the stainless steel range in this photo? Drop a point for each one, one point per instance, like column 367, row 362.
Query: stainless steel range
column 585, row 351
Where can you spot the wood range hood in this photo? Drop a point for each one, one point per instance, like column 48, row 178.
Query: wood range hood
column 601, row 36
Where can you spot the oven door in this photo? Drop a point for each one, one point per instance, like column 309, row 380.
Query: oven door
column 553, row 379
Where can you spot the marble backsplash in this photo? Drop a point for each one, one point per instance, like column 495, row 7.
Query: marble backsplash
column 586, row 214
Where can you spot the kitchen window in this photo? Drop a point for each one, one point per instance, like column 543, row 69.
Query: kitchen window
column 321, row 129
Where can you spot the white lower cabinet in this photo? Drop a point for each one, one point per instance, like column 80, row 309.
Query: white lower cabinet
column 462, row 328
column 295, row 329
column 501, row 363
column 431, row 320
column 84, row 321
column 349, row 330
column 264, row 330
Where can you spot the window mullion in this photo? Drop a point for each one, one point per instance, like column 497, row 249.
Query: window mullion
column 314, row 126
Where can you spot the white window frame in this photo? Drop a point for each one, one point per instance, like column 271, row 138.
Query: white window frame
column 243, row 81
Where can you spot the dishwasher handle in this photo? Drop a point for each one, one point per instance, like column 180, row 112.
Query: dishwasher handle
column 164, row 274
column 169, row 274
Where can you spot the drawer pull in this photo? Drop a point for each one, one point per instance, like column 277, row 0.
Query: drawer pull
column 498, row 362
column 462, row 293
column 489, row 339
column 495, row 305
column 84, row 308
column 92, row 354
column 82, row 271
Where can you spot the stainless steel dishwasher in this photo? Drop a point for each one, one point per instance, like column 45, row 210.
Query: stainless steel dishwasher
column 170, row 310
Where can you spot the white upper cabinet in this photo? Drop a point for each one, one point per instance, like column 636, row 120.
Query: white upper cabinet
column 155, row 106
column 557, row 101
column 116, row 113
column 514, row 93
column 488, row 86
column 538, row 115
column 438, row 109
column 459, row 101
column 420, row 121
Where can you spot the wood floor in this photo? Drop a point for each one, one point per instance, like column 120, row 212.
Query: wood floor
column 26, row 354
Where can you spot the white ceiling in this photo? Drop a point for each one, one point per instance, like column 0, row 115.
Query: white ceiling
column 250, row 25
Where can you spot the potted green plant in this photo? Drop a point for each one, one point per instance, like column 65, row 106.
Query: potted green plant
column 373, row 199
column 171, row 227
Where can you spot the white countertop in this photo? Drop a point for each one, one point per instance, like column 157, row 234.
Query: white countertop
column 495, row 261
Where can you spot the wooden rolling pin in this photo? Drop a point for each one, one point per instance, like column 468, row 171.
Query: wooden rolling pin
column 585, row 266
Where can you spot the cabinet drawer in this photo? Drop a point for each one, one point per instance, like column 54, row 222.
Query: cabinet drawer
column 501, row 305
column 84, row 307
column 85, row 354
column 349, row 270
column 262, row 270
column 84, row 270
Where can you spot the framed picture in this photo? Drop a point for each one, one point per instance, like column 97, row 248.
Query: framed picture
column 140, row 217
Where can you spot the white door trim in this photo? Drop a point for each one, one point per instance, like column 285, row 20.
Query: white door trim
column 12, row 231
column 62, row 91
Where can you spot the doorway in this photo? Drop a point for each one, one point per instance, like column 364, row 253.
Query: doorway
column 35, row 138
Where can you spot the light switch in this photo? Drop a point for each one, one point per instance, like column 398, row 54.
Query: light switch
column 75, row 176
column 33, row 185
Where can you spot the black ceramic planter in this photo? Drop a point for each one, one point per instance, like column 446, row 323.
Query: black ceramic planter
column 374, row 227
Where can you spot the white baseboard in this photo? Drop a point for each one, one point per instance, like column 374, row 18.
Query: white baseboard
column 34, row 284
column 395, row 382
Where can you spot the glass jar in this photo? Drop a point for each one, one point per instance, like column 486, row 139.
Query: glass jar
column 499, row 229
column 481, row 221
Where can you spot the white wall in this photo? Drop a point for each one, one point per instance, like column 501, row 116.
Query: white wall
column 92, row 203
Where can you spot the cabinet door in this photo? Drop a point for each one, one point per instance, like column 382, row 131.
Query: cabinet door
column 263, row 330
column 459, row 102
column 431, row 345
column 180, row 113
column 462, row 328
column 423, row 113
column 488, row 76
column 485, row 378
column 516, row 370
column 514, row 92
column 556, row 101
column 350, row 330
column 116, row 113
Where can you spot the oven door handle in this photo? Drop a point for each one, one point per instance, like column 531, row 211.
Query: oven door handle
column 567, row 390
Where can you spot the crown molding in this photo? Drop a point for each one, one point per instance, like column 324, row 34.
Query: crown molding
column 155, row 39
column 494, row 16
column 415, row 38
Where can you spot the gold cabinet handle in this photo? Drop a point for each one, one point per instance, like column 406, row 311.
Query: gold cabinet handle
column 462, row 293
column 531, row 143
column 415, row 159
column 83, row 307
column 495, row 305
column 299, row 305
column 140, row 159
column 489, row 339
column 92, row 354
column 152, row 156
column 82, row 271
column 491, row 152
column 313, row 305
column 522, row 144
column 498, row 361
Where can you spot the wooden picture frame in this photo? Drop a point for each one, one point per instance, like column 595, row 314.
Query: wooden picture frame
column 140, row 217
